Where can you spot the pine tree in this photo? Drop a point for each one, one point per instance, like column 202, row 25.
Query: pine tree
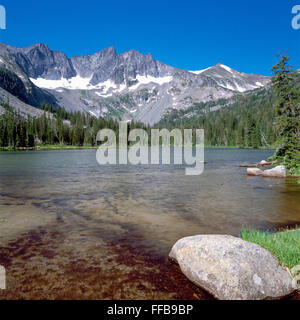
column 287, row 114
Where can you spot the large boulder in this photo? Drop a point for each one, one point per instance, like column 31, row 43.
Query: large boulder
column 278, row 172
column 254, row 172
column 231, row 268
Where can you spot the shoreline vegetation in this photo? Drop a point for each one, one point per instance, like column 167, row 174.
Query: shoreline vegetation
column 283, row 244
column 286, row 159
column 84, row 147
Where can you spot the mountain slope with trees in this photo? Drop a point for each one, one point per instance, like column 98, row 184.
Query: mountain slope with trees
column 245, row 121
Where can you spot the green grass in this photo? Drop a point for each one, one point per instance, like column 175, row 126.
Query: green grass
column 285, row 245
column 295, row 171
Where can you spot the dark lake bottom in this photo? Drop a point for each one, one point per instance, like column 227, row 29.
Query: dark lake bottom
column 71, row 229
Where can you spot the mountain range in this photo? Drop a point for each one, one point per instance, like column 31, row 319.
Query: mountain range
column 129, row 85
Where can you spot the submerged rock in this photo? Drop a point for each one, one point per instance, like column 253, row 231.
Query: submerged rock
column 254, row 172
column 232, row 269
column 278, row 172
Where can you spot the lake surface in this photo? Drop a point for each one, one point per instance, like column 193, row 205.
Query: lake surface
column 60, row 209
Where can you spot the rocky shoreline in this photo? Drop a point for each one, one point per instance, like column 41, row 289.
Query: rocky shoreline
column 278, row 171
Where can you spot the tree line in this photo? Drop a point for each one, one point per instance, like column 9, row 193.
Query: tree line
column 246, row 122
column 57, row 127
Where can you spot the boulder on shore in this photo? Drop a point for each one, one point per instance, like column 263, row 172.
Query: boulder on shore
column 254, row 172
column 277, row 172
column 232, row 269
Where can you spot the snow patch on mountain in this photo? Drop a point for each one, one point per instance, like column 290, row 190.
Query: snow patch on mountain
column 234, row 86
column 107, row 87
column 149, row 79
column 259, row 84
column 75, row 83
column 103, row 95
column 226, row 68
column 197, row 72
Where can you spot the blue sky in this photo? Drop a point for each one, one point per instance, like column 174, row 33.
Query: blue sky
column 188, row 34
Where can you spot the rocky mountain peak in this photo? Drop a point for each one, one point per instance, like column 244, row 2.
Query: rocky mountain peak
column 39, row 61
column 37, row 46
column 131, row 85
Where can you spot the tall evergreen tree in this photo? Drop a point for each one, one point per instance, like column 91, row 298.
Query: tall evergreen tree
column 287, row 113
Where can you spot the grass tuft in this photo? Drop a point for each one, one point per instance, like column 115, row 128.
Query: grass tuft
column 284, row 245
